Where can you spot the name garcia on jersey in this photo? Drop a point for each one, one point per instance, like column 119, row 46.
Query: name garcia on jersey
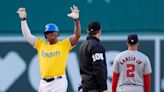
column 50, row 54
column 130, row 59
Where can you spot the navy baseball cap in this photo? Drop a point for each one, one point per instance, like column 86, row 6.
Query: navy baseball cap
column 51, row 28
column 94, row 26
column 132, row 39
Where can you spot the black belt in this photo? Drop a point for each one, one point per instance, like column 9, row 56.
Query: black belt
column 51, row 79
column 130, row 84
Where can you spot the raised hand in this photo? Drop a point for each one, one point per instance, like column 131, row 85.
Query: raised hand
column 22, row 13
column 74, row 12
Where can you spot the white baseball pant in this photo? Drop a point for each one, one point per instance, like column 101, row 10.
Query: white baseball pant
column 57, row 85
column 130, row 88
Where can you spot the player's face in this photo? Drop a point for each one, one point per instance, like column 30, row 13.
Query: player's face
column 52, row 37
column 98, row 34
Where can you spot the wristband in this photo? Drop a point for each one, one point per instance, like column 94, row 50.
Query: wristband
column 76, row 19
column 22, row 19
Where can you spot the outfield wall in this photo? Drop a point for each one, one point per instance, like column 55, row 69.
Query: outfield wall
column 19, row 66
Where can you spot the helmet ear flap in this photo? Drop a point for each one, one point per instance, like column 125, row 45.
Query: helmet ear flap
column 45, row 36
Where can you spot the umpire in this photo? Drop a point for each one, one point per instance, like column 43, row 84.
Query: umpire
column 93, row 68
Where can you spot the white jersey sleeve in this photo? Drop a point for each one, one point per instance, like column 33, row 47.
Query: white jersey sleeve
column 115, row 67
column 147, row 67
column 27, row 33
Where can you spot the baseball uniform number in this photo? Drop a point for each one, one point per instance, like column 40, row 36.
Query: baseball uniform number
column 130, row 70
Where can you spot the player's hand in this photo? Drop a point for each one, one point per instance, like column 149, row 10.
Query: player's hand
column 74, row 12
column 22, row 13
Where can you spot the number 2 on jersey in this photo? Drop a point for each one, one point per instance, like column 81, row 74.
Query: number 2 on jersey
column 130, row 70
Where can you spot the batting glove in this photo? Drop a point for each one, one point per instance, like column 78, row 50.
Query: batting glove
column 22, row 13
column 74, row 12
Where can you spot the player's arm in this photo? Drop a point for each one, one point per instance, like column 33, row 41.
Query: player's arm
column 147, row 82
column 77, row 28
column 147, row 76
column 114, row 81
column 99, row 66
column 115, row 76
column 24, row 26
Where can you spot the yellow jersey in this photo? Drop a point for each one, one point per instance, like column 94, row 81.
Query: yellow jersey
column 52, row 58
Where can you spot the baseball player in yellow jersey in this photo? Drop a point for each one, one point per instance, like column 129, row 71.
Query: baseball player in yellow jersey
column 52, row 53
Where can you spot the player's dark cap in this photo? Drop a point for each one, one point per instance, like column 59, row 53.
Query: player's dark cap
column 51, row 28
column 132, row 39
column 94, row 26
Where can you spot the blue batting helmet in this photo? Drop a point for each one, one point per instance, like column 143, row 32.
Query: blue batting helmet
column 51, row 28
